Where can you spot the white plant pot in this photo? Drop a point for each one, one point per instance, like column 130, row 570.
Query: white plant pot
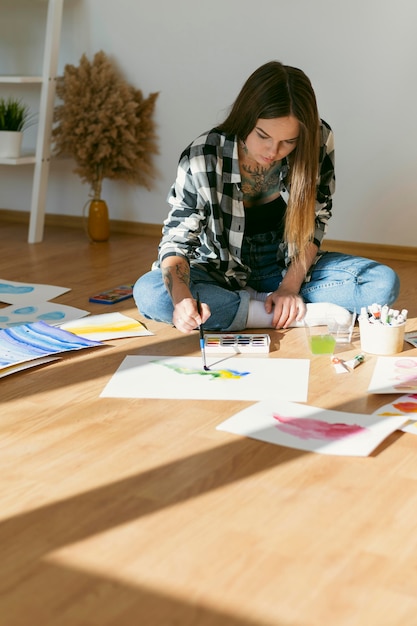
column 10, row 143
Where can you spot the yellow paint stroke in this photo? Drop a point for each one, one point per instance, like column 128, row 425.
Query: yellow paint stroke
column 407, row 385
column 107, row 328
column 410, row 423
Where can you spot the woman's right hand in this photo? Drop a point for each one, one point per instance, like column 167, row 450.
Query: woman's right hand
column 186, row 317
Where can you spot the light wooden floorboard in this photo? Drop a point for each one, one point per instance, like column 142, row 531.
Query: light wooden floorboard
column 138, row 512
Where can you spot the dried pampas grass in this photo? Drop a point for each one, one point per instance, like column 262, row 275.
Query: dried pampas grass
column 105, row 124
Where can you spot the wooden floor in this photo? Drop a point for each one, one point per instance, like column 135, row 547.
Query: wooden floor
column 139, row 512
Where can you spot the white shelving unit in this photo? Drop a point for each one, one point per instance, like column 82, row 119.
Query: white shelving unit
column 42, row 155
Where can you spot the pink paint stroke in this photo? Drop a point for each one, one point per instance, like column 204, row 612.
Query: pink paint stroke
column 307, row 428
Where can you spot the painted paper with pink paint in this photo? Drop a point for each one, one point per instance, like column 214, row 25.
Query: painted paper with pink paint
column 396, row 374
column 312, row 429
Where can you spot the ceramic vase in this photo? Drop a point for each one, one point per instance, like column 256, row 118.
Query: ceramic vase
column 98, row 225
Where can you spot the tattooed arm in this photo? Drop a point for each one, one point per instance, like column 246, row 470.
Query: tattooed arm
column 176, row 275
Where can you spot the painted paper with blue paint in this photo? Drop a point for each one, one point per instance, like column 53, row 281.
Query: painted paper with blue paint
column 56, row 315
column 49, row 312
column 31, row 341
column 12, row 292
column 25, row 310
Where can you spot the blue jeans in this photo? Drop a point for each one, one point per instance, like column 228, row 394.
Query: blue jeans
column 349, row 281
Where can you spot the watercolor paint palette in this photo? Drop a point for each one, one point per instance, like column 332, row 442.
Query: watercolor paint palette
column 236, row 343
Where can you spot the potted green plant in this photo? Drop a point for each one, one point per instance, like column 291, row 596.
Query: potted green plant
column 15, row 117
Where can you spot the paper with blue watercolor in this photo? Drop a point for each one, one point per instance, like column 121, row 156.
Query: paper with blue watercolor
column 49, row 312
column 12, row 292
column 27, row 342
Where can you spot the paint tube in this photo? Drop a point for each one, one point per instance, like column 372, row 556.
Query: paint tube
column 357, row 360
column 339, row 365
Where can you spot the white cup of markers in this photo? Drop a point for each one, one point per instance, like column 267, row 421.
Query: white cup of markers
column 382, row 329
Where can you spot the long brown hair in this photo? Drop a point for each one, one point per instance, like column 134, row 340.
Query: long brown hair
column 277, row 90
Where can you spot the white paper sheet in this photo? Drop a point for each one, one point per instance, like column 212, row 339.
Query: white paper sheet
column 48, row 312
column 394, row 374
column 13, row 292
column 107, row 326
column 14, row 369
column 405, row 406
column 232, row 378
column 312, row 429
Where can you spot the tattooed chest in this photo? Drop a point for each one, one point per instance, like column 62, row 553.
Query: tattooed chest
column 259, row 184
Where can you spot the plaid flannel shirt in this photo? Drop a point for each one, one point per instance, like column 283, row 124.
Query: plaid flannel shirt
column 206, row 221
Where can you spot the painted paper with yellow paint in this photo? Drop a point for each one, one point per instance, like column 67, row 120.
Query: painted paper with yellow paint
column 107, row 326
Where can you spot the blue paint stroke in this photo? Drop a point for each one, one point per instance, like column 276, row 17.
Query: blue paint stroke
column 52, row 315
column 25, row 310
column 14, row 289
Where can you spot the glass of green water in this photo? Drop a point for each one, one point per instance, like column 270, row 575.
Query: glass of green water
column 320, row 340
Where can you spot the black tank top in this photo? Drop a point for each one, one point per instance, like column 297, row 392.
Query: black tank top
column 264, row 218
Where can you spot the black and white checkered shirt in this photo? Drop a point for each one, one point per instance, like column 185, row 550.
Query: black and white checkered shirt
column 206, row 222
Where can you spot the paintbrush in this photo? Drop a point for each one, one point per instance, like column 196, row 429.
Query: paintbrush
column 202, row 341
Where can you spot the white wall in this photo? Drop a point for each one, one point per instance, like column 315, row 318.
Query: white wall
column 360, row 56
